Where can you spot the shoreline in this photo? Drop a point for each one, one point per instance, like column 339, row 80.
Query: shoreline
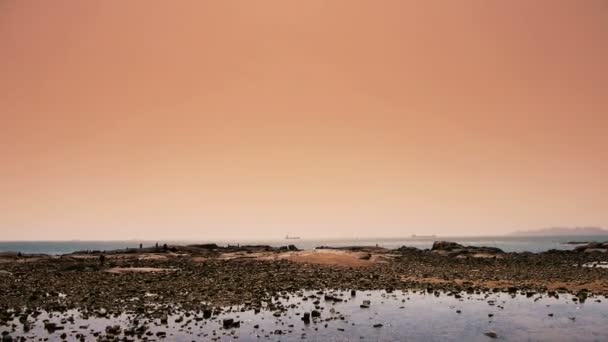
column 507, row 243
column 152, row 282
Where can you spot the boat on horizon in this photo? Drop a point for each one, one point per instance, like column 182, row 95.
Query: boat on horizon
column 414, row 236
column 287, row 237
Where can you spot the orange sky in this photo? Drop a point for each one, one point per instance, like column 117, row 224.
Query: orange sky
column 227, row 119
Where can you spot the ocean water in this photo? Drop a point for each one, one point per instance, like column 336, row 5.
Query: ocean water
column 507, row 243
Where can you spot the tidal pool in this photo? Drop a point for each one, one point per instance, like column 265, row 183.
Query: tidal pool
column 396, row 316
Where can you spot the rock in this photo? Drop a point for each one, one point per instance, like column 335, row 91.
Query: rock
column 52, row 327
column 455, row 249
column 306, row 318
column 445, row 246
column 315, row 313
column 205, row 246
column 378, row 325
column 227, row 323
column 366, row 304
column 491, row 334
column 207, row 313
column 582, row 296
column 406, row 250
column 330, row 297
column 592, row 247
column 366, row 256
column 7, row 338
column 113, row 330
column 230, row 323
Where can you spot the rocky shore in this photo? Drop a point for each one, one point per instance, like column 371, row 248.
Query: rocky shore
column 157, row 281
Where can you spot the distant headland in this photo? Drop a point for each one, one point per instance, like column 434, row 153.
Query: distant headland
column 567, row 231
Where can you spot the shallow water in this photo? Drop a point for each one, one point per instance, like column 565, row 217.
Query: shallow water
column 404, row 316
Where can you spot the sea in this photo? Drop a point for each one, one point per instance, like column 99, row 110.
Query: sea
column 534, row 244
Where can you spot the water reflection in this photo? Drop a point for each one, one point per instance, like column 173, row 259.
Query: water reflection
column 346, row 316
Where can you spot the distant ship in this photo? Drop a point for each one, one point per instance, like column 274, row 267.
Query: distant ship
column 414, row 236
column 287, row 237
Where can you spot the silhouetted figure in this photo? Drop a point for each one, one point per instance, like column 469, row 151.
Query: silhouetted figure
column 141, row 245
column 157, row 245
column 102, row 259
column 165, row 247
column 19, row 254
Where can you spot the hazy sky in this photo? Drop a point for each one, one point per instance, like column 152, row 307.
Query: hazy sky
column 228, row 119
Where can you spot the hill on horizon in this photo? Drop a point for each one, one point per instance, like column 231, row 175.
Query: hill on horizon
column 562, row 231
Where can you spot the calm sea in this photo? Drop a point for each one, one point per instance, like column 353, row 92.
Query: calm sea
column 508, row 244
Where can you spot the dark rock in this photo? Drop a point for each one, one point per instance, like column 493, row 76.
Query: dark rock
column 306, row 318
column 113, row 330
column 491, row 334
column 230, row 323
column 456, row 249
column 207, row 313
column 227, row 323
column 205, row 246
column 332, row 298
column 593, row 247
column 445, row 246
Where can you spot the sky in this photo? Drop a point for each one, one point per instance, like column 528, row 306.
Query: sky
column 344, row 118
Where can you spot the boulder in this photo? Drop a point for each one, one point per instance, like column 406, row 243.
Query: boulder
column 592, row 247
column 445, row 246
column 491, row 334
column 113, row 330
column 230, row 323
column 448, row 248
column 306, row 318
